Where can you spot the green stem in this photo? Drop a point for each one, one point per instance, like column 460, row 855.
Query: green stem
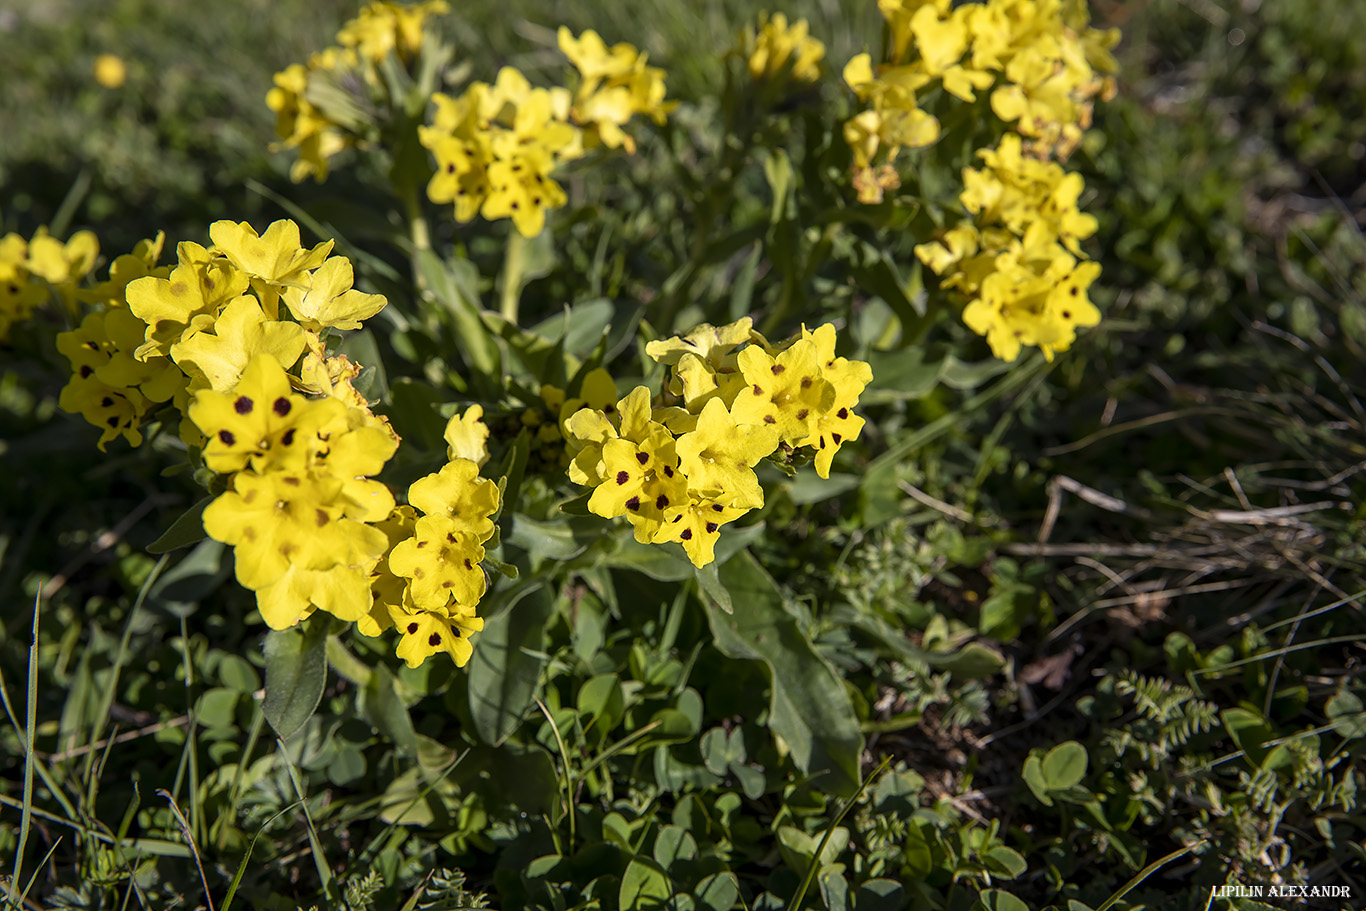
column 417, row 231
column 512, row 276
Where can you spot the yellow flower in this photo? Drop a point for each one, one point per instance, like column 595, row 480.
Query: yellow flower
column 696, row 525
column 283, row 519
column 240, row 334
column 274, row 259
column 457, row 493
column 427, row 632
column 839, row 424
column 718, row 457
column 116, row 411
column 787, row 392
column 383, row 26
column 442, row 560
column 185, row 302
column 640, row 479
column 328, row 300
column 343, row 591
column 109, row 70
column 467, row 436
column 779, row 48
column 261, row 424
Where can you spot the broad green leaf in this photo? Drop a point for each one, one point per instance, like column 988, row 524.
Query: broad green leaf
column 710, row 582
column 1033, row 776
column 506, row 665
column 880, row 895
column 454, row 287
column 652, row 560
column 999, row 900
column 186, row 530
column 1345, row 711
column 1005, row 862
column 643, row 886
column 809, row 706
column 601, row 700
column 674, row 843
column 717, row 892
column 382, row 708
column 296, row 673
column 834, row 888
column 1064, row 765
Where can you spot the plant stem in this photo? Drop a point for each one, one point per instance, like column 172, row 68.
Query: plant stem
column 512, row 276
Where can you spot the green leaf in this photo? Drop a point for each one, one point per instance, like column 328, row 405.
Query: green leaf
column 999, row 900
column 184, row 531
column 674, row 843
column 717, row 892
column 834, row 889
column 710, row 581
column 1345, row 711
column 880, row 895
column 1005, row 862
column 382, row 708
column 601, row 700
column 506, row 666
column 1033, row 776
column 1064, row 765
column 652, row 560
column 454, row 287
column 809, row 706
column 971, row 662
column 644, row 885
column 296, row 673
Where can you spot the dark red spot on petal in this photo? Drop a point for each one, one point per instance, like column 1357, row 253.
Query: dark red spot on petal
column 106, row 402
column 412, row 627
column 661, row 501
column 281, row 406
column 711, row 528
column 243, row 405
column 226, row 437
column 686, row 534
column 623, row 477
column 718, row 507
column 836, row 437
column 434, row 639
column 806, row 382
column 758, row 390
column 842, row 413
column 770, row 419
column 287, row 438
column 86, row 371
column 468, row 564
column 633, row 504
column 642, row 458
column 801, row 415
column 668, row 472
column 321, row 517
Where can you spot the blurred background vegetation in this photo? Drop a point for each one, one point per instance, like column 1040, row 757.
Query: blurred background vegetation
column 1111, row 530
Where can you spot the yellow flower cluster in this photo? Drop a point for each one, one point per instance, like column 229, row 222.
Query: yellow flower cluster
column 314, row 112
column 300, row 508
column 496, row 146
column 429, row 583
column 1042, row 56
column 33, row 271
column 779, row 50
column 680, row 472
column 1018, row 263
column 163, row 334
